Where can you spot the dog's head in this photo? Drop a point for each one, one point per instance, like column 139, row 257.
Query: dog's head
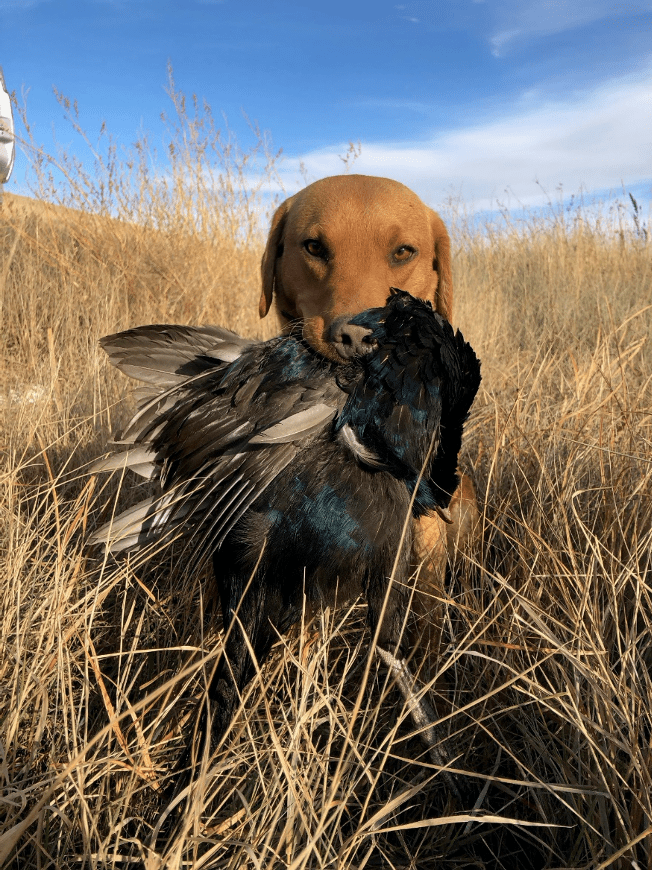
column 335, row 249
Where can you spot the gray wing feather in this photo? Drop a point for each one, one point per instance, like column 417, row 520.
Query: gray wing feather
column 127, row 525
column 165, row 355
column 140, row 460
column 349, row 439
column 296, row 426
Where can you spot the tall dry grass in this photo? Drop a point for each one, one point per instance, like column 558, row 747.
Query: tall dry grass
column 544, row 678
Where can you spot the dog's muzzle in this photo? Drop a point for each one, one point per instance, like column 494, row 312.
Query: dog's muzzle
column 349, row 339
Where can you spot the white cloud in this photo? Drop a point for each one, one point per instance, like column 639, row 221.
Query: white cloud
column 527, row 19
column 500, row 40
column 594, row 141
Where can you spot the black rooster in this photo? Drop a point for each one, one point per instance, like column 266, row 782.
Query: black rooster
column 295, row 474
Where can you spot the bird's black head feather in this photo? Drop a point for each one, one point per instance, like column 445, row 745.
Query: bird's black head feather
column 412, row 395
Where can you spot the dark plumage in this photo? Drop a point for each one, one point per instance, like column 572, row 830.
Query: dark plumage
column 290, row 471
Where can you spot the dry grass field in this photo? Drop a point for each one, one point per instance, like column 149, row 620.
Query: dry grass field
column 544, row 680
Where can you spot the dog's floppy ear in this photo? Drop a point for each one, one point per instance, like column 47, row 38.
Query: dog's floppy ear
column 442, row 265
column 273, row 249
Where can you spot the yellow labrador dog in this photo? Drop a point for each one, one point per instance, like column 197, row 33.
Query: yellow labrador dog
column 334, row 250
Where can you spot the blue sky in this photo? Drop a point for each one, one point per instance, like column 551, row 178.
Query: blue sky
column 463, row 98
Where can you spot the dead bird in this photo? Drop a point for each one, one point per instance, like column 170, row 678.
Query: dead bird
column 294, row 474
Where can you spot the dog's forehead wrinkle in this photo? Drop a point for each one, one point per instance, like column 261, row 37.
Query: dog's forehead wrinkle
column 314, row 217
column 380, row 233
column 314, row 229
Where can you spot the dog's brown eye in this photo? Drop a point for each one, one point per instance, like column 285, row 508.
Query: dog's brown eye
column 315, row 248
column 403, row 254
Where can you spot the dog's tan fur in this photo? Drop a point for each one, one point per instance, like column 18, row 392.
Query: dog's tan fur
column 335, row 248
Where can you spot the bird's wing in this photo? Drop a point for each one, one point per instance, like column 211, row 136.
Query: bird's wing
column 165, row 355
column 215, row 442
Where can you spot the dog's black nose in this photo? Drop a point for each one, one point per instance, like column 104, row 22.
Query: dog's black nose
column 348, row 339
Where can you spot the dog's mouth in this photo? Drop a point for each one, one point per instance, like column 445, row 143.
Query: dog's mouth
column 340, row 341
column 349, row 339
